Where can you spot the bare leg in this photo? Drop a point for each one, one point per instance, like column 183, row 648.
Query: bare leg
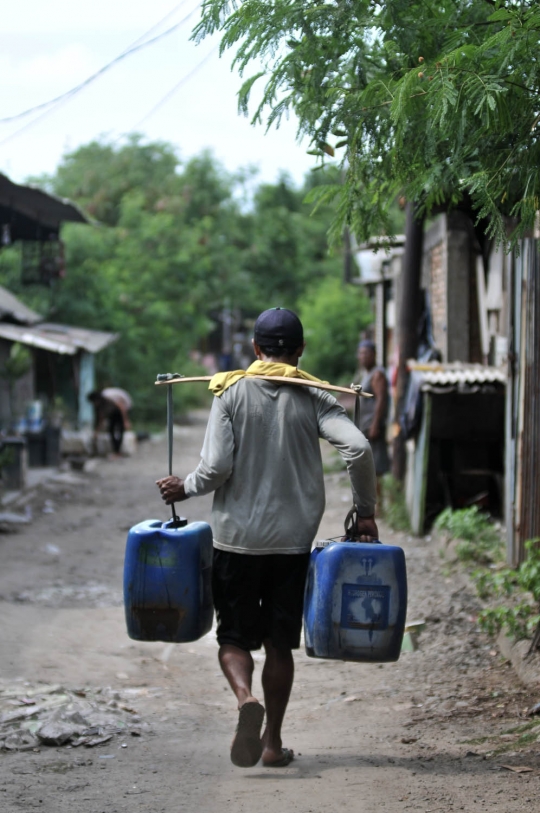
column 277, row 681
column 237, row 666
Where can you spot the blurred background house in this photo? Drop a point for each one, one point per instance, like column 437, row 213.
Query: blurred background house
column 470, row 441
column 46, row 369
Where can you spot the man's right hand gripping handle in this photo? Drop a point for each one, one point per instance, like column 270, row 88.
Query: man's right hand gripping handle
column 360, row 529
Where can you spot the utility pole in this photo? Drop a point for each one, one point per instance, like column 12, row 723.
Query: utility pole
column 226, row 336
column 408, row 316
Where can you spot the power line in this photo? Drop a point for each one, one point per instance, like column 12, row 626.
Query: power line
column 177, row 87
column 163, row 19
column 137, row 46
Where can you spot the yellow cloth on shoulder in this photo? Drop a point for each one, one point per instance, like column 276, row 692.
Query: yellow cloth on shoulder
column 222, row 381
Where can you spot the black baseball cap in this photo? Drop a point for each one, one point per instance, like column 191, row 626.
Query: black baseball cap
column 278, row 327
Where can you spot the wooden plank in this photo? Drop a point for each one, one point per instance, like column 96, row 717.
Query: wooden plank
column 274, row 378
column 301, row 382
column 185, row 380
column 482, row 308
column 421, row 463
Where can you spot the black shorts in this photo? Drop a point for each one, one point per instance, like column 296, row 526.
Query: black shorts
column 259, row 598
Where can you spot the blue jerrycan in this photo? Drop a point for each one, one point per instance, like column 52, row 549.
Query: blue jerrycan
column 167, row 580
column 355, row 601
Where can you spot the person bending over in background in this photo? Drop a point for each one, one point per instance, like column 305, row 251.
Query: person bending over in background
column 111, row 407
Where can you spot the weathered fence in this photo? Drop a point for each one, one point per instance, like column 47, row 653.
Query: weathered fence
column 523, row 400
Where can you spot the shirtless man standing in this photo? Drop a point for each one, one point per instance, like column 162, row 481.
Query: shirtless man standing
column 374, row 411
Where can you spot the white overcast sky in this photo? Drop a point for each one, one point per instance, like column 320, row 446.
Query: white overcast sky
column 49, row 46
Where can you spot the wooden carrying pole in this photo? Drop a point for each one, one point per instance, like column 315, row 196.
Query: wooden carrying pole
column 171, row 378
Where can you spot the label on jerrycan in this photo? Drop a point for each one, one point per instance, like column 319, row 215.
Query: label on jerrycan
column 365, row 606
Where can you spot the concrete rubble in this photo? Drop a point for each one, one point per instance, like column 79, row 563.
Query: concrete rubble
column 51, row 715
column 50, row 486
column 13, row 518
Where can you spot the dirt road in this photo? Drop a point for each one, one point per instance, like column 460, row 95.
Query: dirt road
column 429, row 733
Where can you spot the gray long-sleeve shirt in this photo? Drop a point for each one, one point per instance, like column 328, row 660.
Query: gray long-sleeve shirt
column 262, row 457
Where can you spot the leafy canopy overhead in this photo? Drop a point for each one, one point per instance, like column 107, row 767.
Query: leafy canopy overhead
column 435, row 99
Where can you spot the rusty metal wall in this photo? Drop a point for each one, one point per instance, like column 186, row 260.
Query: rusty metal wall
column 523, row 401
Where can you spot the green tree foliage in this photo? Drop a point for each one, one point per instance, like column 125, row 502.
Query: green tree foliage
column 98, row 176
column 170, row 247
column 289, row 248
column 333, row 315
column 434, row 100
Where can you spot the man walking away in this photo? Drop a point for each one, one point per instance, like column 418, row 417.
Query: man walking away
column 261, row 456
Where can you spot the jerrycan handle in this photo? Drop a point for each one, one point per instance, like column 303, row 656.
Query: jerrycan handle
column 351, row 528
column 179, row 522
column 176, row 521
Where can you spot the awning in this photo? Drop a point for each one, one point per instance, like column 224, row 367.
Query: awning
column 61, row 339
column 29, row 213
column 456, row 374
column 13, row 308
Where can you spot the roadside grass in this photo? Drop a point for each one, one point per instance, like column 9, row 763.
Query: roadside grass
column 528, row 734
column 520, row 742
column 520, row 729
column 513, row 595
column 480, row 541
column 394, row 506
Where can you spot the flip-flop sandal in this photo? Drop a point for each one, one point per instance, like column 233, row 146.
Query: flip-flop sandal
column 246, row 749
column 286, row 759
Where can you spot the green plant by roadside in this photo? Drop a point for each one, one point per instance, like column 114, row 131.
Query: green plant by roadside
column 518, row 592
column 514, row 737
column 514, row 595
column 395, row 508
column 480, row 540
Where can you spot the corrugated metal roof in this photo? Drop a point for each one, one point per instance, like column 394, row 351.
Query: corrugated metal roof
column 451, row 374
column 61, row 339
column 13, row 308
